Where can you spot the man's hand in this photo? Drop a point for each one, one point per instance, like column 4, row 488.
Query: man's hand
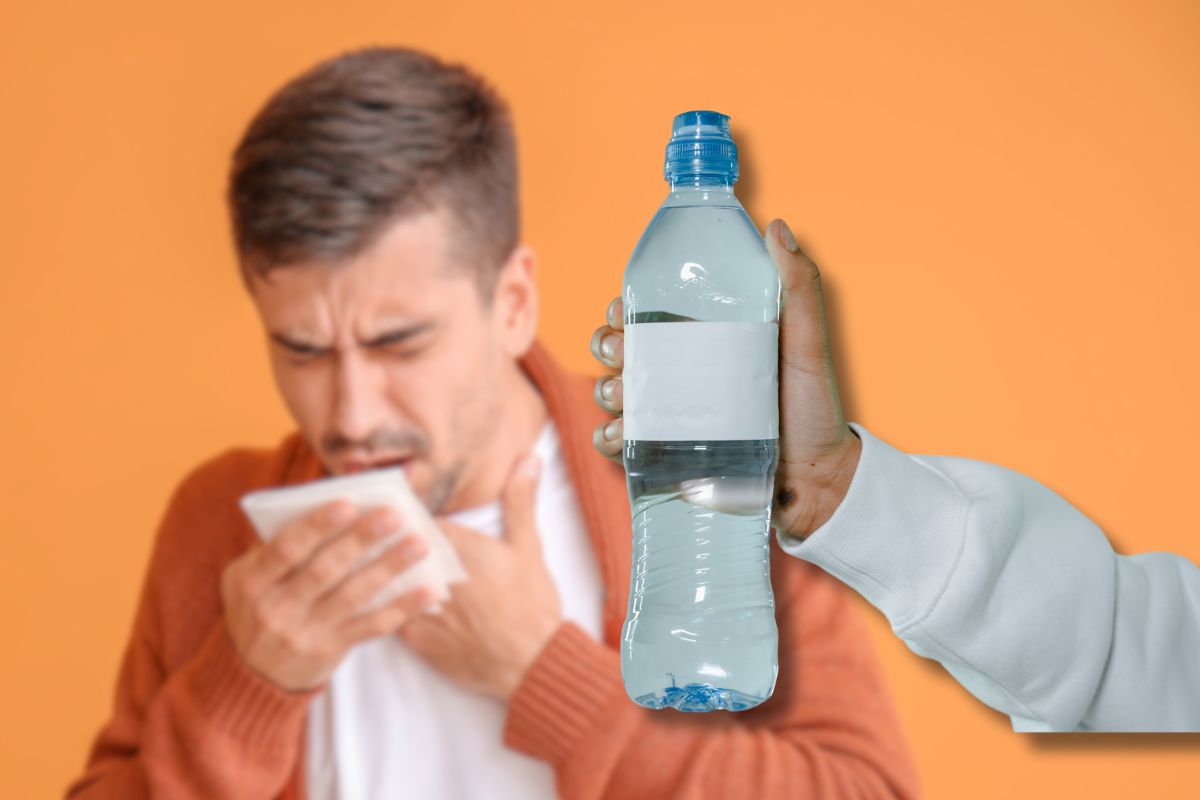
column 497, row 621
column 294, row 607
column 818, row 450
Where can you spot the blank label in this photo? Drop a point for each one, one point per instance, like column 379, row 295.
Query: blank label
column 706, row 381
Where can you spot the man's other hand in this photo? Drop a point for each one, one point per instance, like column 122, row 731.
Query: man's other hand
column 498, row 620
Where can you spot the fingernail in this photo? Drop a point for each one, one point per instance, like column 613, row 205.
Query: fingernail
column 787, row 238
column 431, row 602
column 697, row 490
column 340, row 514
column 608, row 388
column 608, row 347
column 386, row 523
column 531, row 466
column 610, row 314
column 610, row 430
column 413, row 547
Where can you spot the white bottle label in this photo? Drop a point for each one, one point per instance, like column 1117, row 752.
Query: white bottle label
column 706, row 381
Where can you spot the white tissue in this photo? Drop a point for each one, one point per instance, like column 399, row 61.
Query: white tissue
column 270, row 509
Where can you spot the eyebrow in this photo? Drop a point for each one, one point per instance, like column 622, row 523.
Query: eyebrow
column 394, row 336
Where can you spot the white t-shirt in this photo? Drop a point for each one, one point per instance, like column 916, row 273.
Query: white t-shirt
column 390, row 726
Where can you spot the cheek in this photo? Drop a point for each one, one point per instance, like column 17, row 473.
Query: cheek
column 449, row 392
column 480, row 398
column 467, row 397
column 420, row 396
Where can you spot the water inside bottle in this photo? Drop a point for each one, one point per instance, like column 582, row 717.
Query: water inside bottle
column 700, row 634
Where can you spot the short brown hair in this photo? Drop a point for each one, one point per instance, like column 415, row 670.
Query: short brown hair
column 362, row 139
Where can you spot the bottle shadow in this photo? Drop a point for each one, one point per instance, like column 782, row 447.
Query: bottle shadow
column 1110, row 742
column 748, row 195
column 746, row 187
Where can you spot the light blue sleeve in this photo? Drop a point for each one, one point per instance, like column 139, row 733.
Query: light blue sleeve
column 1016, row 593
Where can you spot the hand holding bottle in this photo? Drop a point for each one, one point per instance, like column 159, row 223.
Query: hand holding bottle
column 818, row 450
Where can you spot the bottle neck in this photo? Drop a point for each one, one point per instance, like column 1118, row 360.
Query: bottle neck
column 690, row 190
column 708, row 182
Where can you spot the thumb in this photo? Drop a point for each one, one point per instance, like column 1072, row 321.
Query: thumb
column 811, row 423
column 519, row 503
column 803, row 338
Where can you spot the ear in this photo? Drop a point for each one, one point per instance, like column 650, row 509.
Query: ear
column 515, row 302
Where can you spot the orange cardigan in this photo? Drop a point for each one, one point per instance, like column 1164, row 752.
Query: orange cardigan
column 190, row 720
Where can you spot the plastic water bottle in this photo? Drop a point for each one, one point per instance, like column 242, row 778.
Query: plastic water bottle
column 701, row 299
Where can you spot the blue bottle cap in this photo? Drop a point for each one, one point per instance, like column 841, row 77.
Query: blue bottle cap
column 701, row 145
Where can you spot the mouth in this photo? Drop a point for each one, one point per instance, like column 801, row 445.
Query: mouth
column 352, row 467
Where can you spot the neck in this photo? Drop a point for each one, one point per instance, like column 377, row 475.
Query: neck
column 521, row 414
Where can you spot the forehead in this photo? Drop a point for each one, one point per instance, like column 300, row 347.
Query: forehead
column 407, row 271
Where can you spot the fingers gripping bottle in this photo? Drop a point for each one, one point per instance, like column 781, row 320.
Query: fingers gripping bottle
column 700, row 378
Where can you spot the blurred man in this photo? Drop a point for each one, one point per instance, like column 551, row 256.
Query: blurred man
column 374, row 204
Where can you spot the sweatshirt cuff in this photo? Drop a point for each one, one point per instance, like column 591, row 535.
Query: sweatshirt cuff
column 244, row 705
column 568, row 688
column 897, row 534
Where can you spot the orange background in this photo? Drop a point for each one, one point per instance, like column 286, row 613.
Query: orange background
column 1004, row 202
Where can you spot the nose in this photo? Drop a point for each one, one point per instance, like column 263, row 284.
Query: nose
column 358, row 397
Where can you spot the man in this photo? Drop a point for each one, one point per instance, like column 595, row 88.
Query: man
column 374, row 204
column 1011, row 588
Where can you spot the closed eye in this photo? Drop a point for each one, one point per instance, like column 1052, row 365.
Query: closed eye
column 392, row 341
column 303, row 353
column 400, row 336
